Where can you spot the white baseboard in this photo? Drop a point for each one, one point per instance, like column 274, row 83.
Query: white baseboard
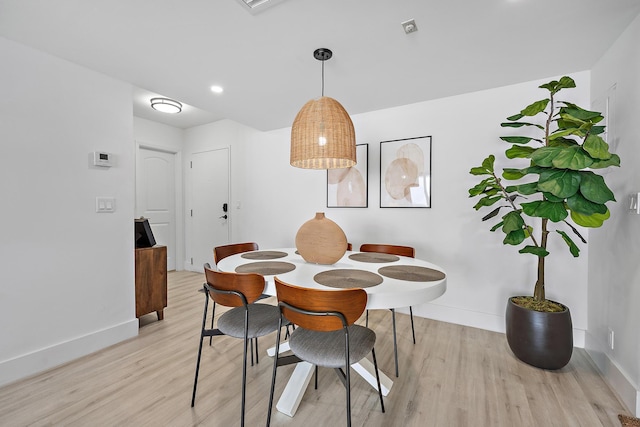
column 475, row 319
column 618, row 380
column 32, row 363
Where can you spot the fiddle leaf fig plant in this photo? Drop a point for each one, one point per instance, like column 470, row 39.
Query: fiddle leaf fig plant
column 558, row 188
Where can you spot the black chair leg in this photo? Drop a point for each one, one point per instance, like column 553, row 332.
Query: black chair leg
column 273, row 375
column 366, row 322
column 244, row 371
column 413, row 331
column 316, row 375
column 375, row 365
column 252, row 352
column 213, row 315
column 395, row 343
column 256, row 339
column 204, row 320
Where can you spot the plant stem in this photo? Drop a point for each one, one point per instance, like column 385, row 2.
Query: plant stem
column 538, row 292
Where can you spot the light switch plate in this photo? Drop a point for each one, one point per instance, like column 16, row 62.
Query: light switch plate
column 633, row 203
column 105, row 204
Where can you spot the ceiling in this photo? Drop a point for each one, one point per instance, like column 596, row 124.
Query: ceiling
column 264, row 60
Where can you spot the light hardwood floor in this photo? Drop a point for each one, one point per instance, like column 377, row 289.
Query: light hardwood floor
column 453, row 376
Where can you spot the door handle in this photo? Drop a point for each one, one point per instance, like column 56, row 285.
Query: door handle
column 224, row 216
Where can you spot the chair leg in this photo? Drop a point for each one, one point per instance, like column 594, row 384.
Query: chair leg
column 395, row 343
column 316, row 377
column 366, row 322
column 256, row 339
column 273, row 375
column 375, row 365
column 204, row 320
column 413, row 331
column 251, row 351
column 213, row 315
column 244, row 366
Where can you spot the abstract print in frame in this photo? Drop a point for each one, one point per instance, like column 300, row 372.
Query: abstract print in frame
column 405, row 173
column 348, row 187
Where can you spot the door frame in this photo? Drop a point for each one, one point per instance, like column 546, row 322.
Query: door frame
column 179, row 195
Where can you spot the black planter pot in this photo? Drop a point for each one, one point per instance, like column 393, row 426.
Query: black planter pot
column 543, row 340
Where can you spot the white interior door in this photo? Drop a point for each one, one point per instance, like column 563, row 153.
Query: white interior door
column 156, row 196
column 209, row 192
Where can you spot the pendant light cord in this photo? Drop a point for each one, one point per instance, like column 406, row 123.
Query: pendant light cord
column 322, row 78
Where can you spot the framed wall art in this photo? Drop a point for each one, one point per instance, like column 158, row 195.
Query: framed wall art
column 405, row 173
column 349, row 188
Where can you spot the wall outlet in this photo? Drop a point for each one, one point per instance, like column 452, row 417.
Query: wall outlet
column 611, row 339
column 634, row 203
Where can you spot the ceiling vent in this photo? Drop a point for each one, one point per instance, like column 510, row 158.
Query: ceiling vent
column 257, row 6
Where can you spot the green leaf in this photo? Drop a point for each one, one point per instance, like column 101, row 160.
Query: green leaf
column 525, row 189
column 580, row 113
column 515, row 237
column 573, row 248
column 481, row 187
column 596, row 147
column 550, row 197
column 492, row 213
column 488, row 162
column 543, row 209
column 597, row 130
column 479, row 171
column 563, row 183
column 536, row 250
column 564, row 132
column 562, row 142
column 555, row 86
column 518, row 151
column 593, row 187
column 544, row 156
column 583, row 206
column 513, row 174
column 498, row 225
column 535, row 108
column 601, row 164
column 518, row 139
column 487, row 201
column 593, row 221
column 574, row 158
column 519, row 125
column 515, row 117
column 512, row 221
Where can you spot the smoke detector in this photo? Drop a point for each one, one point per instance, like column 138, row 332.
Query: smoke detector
column 410, row 26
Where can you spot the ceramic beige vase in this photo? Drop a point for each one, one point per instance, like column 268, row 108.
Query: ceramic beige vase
column 321, row 241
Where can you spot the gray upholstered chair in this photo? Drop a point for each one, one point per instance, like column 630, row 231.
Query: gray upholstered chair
column 326, row 334
column 407, row 251
column 245, row 320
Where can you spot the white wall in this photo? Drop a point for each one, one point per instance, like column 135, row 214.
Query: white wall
column 614, row 273
column 482, row 273
column 158, row 136
column 66, row 272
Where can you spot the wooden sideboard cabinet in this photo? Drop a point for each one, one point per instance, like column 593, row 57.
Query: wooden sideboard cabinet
column 151, row 281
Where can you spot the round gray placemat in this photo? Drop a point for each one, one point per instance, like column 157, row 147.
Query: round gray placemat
column 411, row 273
column 348, row 278
column 264, row 255
column 266, row 268
column 373, row 257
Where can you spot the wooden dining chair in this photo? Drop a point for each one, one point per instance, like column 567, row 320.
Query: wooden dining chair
column 407, row 251
column 246, row 320
column 220, row 253
column 326, row 334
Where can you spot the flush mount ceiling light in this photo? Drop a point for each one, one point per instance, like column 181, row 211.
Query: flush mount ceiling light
column 322, row 136
column 166, row 105
column 255, row 6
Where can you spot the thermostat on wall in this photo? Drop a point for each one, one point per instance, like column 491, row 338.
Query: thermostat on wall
column 100, row 158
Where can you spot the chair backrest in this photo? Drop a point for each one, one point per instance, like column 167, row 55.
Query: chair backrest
column 221, row 252
column 250, row 285
column 389, row 249
column 349, row 246
column 350, row 302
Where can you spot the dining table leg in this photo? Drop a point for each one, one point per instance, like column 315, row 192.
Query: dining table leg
column 295, row 388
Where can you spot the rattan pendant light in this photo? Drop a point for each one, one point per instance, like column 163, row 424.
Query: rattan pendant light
column 322, row 136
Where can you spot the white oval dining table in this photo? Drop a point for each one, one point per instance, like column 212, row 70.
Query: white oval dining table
column 390, row 282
